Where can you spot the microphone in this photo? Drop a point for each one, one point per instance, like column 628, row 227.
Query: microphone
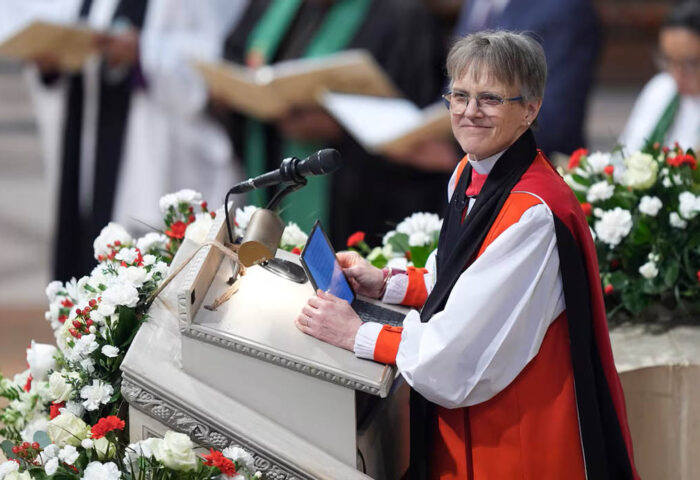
column 292, row 170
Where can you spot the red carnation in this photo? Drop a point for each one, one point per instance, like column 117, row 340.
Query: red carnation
column 55, row 409
column 609, row 169
column 356, row 238
column 28, row 385
column 575, row 158
column 218, row 460
column 296, row 251
column 587, row 209
column 106, row 425
column 176, row 230
column 609, row 289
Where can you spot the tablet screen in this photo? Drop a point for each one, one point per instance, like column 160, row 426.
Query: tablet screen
column 323, row 268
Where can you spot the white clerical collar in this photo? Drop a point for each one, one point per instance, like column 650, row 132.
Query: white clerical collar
column 484, row 166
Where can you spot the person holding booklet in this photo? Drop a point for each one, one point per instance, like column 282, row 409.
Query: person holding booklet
column 507, row 353
column 403, row 39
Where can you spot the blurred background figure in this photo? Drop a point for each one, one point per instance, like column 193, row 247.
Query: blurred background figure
column 404, row 39
column 668, row 108
column 570, row 34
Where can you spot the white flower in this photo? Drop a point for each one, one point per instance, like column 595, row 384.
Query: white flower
column 7, row 467
column 649, row 270
column 67, row 429
column 128, row 255
column 650, row 205
column 676, row 221
column 104, row 448
column 613, row 226
column 39, row 423
column 49, row 452
column 151, row 240
column 598, row 212
column 175, row 451
column 40, row 359
column 600, row 191
column 18, row 476
column 242, row 218
column 120, row 293
column 419, row 239
column 420, row 222
column 166, row 201
column 73, row 407
column 666, row 182
column 111, row 233
column 51, row 466
column 689, row 205
column 641, row 171
column 139, row 449
column 96, row 394
column 68, row 454
column 52, row 290
column 597, row 162
column 87, row 444
column 198, row 230
column 187, row 195
column 83, row 347
column 293, row 236
column 59, row 389
column 237, row 454
column 101, row 471
column 136, row 276
column 110, row 351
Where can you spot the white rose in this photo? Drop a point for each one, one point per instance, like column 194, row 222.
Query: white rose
column 613, row 226
column 110, row 351
column 96, row 394
column 51, row 466
column 293, row 236
column 600, row 191
column 176, row 452
column 689, row 205
column 649, row 270
column 111, row 233
column 419, row 239
column 87, row 444
column 40, row 359
column 676, row 221
column 151, row 240
column 67, row 429
column 641, row 171
column 597, row 161
column 104, row 448
column 59, row 389
column 650, row 205
column 237, row 454
column 198, row 230
column 101, row 471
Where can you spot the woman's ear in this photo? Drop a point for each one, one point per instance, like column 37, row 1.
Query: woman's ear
column 532, row 108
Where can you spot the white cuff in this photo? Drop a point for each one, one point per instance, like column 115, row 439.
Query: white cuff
column 396, row 288
column 366, row 340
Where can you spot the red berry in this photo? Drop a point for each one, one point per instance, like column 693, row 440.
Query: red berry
column 86, row 310
column 213, row 214
column 35, row 446
column 89, row 322
column 92, row 302
column 78, row 335
column 15, row 449
column 77, row 324
column 609, row 289
column 25, row 445
column 117, row 243
column 204, row 204
column 191, row 209
column 78, row 311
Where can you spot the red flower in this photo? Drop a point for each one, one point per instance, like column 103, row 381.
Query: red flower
column 176, row 230
column 67, row 303
column 356, row 238
column 609, row 289
column 296, row 251
column 106, row 425
column 609, row 169
column 28, row 385
column 587, row 209
column 575, row 158
column 683, row 159
column 218, row 460
column 55, row 409
column 698, row 274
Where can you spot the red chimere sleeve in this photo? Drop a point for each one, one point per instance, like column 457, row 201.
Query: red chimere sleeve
column 416, row 293
column 387, row 345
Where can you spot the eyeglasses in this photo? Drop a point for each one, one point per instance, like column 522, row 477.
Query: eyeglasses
column 456, row 102
column 688, row 65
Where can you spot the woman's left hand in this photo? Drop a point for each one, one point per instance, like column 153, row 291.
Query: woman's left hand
column 330, row 319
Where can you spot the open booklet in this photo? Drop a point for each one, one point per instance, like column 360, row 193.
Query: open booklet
column 387, row 125
column 69, row 45
column 268, row 92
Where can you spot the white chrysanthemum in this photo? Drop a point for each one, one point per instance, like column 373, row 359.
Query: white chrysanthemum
column 420, row 222
column 613, row 226
column 237, row 454
column 641, row 171
column 128, row 255
column 419, row 239
column 96, row 394
column 151, row 240
column 650, row 205
column 242, row 218
column 597, row 161
column 676, row 221
column 52, row 290
column 68, row 454
column 101, row 471
column 689, row 205
column 166, row 201
column 649, row 270
column 293, row 236
column 600, row 191
column 110, row 351
column 111, row 233
column 121, row 293
column 198, row 230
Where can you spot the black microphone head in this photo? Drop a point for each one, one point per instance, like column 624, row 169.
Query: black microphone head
column 324, row 161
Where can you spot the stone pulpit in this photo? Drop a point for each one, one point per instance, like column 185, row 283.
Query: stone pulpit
column 243, row 374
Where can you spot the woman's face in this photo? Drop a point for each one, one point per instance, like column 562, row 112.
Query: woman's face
column 680, row 56
column 485, row 131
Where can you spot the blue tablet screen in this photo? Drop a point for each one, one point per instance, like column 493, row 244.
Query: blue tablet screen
column 321, row 264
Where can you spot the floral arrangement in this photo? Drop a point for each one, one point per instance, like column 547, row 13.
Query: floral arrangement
column 643, row 212
column 63, row 416
column 411, row 242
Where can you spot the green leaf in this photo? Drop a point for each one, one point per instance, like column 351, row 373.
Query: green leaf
column 6, row 446
column 671, row 273
column 399, row 242
column 618, row 280
column 580, row 179
column 42, row 438
column 641, row 235
column 419, row 255
column 633, row 300
column 126, row 327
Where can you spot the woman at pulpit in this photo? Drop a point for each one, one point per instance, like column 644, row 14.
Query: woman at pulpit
column 507, row 352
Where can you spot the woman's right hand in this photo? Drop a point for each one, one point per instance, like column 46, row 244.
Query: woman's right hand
column 364, row 278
